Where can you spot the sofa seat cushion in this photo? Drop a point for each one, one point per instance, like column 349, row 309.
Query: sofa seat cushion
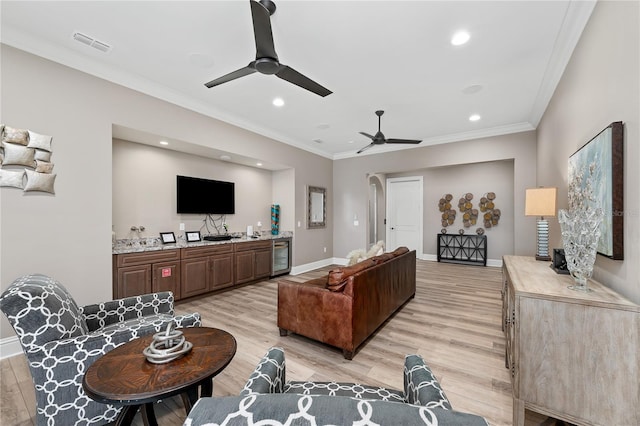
column 289, row 409
column 352, row 390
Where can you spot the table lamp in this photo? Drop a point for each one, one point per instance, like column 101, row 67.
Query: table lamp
column 541, row 202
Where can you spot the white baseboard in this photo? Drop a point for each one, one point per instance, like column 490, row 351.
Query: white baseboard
column 10, row 346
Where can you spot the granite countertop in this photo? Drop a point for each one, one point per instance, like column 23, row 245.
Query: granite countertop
column 139, row 245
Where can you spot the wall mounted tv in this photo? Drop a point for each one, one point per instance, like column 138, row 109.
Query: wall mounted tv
column 205, row 196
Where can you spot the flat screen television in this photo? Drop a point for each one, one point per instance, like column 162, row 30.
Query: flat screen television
column 204, row 196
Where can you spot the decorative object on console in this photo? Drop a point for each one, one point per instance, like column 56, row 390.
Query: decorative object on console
column 580, row 225
column 606, row 151
column 167, row 346
column 193, row 236
column 559, row 262
column 21, row 150
column 541, row 202
column 168, row 237
column 275, row 219
column 448, row 214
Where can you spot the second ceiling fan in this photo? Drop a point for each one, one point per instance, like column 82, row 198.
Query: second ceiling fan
column 266, row 61
column 379, row 138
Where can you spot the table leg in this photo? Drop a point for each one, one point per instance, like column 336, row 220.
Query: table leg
column 125, row 418
column 207, row 388
column 148, row 415
column 189, row 397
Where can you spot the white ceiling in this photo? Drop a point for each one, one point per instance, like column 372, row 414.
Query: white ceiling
column 390, row 55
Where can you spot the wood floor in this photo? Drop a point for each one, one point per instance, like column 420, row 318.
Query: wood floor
column 454, row 322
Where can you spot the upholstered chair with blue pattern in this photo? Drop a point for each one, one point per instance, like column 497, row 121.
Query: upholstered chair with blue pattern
column 267, row 398
column 61, row 340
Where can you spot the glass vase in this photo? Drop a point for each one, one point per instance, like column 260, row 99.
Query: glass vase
column 580, row 234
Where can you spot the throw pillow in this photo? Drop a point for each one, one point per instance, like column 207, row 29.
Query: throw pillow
column 18, row 155
column 39, row 141
column 12, row 178
column 44, row 166
column 18, row 136
column 42, row 155
column 42, row 182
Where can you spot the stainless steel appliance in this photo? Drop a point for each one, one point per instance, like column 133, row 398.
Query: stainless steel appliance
column 281, row 257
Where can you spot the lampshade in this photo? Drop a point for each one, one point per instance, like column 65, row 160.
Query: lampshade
column 540, row 202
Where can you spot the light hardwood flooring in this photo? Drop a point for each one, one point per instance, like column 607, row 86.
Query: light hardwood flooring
column 454, row 322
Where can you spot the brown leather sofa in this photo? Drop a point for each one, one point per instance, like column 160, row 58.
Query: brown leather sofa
column 348, row 305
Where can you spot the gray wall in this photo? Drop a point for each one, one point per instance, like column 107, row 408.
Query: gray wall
column 511, row 156
column 68, row 236
column 478, row 179
column 144, row 190
column 600, row 85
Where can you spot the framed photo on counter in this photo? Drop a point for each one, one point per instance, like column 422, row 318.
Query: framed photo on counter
column 168, row 237
column 193, row 236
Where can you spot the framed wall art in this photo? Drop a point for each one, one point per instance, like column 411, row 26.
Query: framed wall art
column 605, row 151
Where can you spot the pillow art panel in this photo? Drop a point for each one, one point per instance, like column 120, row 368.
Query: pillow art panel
column 18, row 155
column 22, row 151
column 39, row 141
column 42, row 182
column 18, row 136
column 12, row 178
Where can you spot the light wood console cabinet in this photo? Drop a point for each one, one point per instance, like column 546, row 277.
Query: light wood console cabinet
column 191, row 271
column 572, row 355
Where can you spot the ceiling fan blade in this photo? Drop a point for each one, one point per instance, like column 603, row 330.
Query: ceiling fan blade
column 262, row 31
column 414, row 141
column 365, row 148
column 293, row 76
column 249, row 69
column 367, row 135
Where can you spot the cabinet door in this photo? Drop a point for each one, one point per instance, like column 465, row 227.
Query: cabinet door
column 262, row 264
column 221, row 271
column 194, row 278
column 166, row 277
column 134, row 281
column 244, row 266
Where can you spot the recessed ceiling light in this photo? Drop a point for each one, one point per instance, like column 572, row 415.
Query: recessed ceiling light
column 459, row 38
column 323, row 126
column 164, row 143
column 350, row 142
column 259, row 164
column 225, row 157
column 278, row 102
column 474, row 117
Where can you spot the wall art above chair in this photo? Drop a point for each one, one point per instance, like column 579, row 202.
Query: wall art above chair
column 25, row 160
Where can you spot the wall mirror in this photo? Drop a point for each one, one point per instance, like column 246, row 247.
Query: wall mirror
column 316, row 207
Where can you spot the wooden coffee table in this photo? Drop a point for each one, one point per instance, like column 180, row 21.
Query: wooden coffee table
column 123, row 376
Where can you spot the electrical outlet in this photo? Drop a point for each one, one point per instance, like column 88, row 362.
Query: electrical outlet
column 182, row 226
column 298, row 224
column 325, row 249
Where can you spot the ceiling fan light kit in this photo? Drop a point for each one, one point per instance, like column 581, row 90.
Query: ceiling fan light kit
column 379, row 138
column 267, row 61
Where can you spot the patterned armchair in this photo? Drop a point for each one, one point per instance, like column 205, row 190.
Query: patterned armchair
column 267, row 397
column 61, row 340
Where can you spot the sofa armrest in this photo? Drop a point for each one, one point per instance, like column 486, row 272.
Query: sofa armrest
column 420, row 385
column 269, row 376
column 100, row 315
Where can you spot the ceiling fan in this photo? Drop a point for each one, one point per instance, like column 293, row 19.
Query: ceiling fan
column 266, row 61
column 379, row 138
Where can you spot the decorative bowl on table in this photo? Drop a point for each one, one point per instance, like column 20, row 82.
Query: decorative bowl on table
column 167, row 346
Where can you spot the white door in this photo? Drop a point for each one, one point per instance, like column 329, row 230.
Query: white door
column 404, row 213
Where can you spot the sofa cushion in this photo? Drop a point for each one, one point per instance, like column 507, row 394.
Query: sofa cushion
column 399, row 251
column 338, row 276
